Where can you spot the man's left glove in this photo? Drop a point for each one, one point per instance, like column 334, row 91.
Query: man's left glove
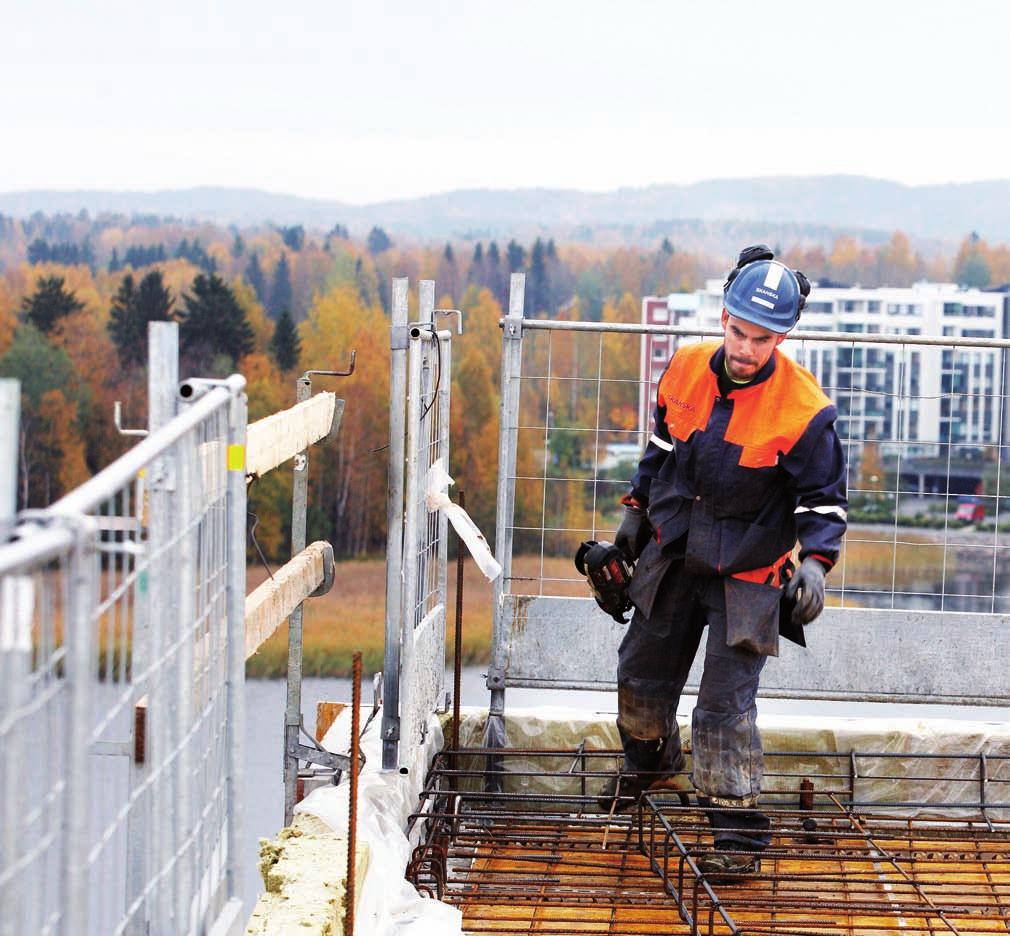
column 806, row 589
column 634, row 532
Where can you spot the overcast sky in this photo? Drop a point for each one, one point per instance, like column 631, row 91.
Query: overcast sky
column 367, row 101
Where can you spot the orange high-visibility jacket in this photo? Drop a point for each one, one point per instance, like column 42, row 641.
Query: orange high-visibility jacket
column 732, row 482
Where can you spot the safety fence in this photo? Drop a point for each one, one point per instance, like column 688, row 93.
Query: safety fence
column 413, row 670
column 122, row 668
column 923, row 422
column 124, row 631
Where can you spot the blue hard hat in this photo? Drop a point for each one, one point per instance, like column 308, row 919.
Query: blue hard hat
column 765, row 293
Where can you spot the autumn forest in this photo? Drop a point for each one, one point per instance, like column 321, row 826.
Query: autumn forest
column 76, row 294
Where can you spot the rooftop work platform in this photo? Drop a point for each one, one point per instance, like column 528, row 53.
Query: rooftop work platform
column 887, row 840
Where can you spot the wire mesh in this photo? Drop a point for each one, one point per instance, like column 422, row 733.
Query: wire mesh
column 862, row 843
column 922, row 424
column 114, row 725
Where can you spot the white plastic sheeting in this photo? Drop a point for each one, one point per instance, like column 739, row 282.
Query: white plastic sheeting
column 388, row 905
column 437, row 498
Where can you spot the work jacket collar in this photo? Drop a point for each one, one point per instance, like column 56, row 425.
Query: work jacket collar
column 716, row 365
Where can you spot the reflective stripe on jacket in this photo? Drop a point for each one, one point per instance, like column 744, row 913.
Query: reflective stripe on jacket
column 736, row 480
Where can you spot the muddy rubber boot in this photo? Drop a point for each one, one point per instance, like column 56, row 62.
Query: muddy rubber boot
column 728, row 864
column 645, row 770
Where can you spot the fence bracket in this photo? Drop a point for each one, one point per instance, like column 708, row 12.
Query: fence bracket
column 318, row 756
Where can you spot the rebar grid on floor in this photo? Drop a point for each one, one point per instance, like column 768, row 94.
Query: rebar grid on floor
column 526, row 860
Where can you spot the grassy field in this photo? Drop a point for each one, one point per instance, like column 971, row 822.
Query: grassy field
column 350, row 617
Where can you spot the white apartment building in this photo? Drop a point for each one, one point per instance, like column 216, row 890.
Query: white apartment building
column 917, row 401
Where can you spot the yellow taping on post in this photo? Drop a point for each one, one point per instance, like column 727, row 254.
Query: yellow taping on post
column 236, row 458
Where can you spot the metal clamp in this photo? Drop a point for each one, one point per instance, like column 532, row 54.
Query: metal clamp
column 512, row 328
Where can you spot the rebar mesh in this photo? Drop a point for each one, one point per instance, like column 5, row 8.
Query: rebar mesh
column 544, row 856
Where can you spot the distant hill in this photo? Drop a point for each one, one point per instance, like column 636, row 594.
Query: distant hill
column 807, row 209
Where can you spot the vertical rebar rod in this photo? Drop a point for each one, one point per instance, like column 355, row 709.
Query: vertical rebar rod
column 293, row 706
column 394, row 527
column 352, row 806
column 457, row 656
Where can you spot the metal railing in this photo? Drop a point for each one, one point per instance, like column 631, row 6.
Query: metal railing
column 923, row 422
column 414, row 667
column 121, row 674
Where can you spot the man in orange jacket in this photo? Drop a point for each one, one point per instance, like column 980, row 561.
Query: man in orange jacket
column 743, row 461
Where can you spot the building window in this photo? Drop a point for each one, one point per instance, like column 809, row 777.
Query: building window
column 873, row 306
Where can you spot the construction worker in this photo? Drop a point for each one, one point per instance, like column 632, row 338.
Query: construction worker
column 743, row 460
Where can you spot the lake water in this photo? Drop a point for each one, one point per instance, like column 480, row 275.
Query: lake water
column 265, row 698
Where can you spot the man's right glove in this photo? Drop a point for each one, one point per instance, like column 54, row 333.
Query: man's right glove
column 634, row 532
column 808, row 581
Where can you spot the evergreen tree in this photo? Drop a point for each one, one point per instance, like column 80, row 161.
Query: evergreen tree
column 476, row 272
column 50, row 303
column 339, row 231
column 280, row 292
column 254, row 276
column 213, row 322
column 237, row 246
column 293, row 237
column 494, row 279
column 378, row 241
column 516, row 256
column 448, row 255
column 285, row 346
column 666, row 247
column 132, row 309
column 537, row 288
column 115, row 265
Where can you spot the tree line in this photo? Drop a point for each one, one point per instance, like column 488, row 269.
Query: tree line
column 279, row 301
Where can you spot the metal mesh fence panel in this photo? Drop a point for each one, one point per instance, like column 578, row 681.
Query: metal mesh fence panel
column 115, row 708
column 922, row 423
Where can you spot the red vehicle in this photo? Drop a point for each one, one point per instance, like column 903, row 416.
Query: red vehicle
column 969, row 510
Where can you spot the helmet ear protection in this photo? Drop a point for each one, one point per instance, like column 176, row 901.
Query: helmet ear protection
column 748, row 255
column 763, row 252
column 609, row 574
column 804, row 291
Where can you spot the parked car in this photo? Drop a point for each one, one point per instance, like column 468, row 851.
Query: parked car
column 970, row 510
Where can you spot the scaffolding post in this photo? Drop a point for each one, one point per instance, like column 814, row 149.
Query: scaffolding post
column 293, row 708
column 394, row 527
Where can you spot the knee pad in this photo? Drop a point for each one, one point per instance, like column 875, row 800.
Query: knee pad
column 644, row 718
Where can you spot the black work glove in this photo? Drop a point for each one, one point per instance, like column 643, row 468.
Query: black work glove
column 806, row 589
column 633, row 533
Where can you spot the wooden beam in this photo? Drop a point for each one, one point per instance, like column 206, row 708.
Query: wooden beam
column 270, row 604
column 326, row 715
column 275, row 439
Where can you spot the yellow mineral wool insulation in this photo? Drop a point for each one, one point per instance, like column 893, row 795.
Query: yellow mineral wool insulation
column 304, row 872
column 879, row 779
column 387, row 905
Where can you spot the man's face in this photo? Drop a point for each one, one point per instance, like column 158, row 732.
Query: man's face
column 748, row 346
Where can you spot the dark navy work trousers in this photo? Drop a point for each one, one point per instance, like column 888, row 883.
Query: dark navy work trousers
column 654, row 660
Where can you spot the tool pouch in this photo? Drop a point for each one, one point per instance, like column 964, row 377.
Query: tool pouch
column 752, row 616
